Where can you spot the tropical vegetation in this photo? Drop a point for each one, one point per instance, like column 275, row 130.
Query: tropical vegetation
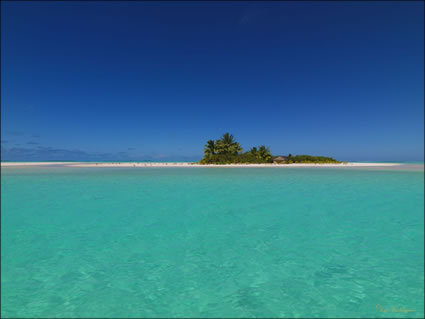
column 311, row 159
column 226, row 150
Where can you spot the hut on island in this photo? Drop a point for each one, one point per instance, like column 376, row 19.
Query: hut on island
column 279, row 159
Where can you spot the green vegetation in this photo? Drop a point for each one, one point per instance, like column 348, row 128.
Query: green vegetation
column 311, row 159
column 227, row 151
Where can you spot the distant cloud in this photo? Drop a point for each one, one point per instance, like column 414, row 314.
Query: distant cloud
column 130, row 149
column 33, row 143
column 35, row 136
column 44, row 153
column 14, row 133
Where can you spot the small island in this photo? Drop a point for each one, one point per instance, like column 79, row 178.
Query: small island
column 226, row 150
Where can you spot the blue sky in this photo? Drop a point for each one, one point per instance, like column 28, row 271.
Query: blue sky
column 144, row 80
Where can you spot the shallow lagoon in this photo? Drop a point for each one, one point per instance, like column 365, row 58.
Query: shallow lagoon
column 212, row 242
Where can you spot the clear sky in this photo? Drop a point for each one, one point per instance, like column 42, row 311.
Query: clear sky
column 145, row 80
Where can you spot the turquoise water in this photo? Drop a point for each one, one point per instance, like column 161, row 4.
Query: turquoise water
column 211, row 242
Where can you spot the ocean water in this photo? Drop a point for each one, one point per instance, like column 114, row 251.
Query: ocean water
column 212, row 242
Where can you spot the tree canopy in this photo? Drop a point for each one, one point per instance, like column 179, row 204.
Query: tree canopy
column 226, row 150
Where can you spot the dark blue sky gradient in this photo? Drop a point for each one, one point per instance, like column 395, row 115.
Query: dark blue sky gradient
column 144, row 80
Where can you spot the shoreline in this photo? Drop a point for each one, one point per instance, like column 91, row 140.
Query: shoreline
column 188, row 164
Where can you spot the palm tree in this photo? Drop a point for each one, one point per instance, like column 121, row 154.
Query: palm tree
column 253, row 150
column 227, row 144
column 235, row 148
column 228, row 139
column 220, row 147
column 210, row 148
column 264, row 153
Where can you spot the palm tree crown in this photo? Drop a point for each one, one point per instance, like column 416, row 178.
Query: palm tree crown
column 210, row 148
column 227, row 145
column 264, row 153
column 253, row 150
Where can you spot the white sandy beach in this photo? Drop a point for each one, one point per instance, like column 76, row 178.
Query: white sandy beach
column 186, row 164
